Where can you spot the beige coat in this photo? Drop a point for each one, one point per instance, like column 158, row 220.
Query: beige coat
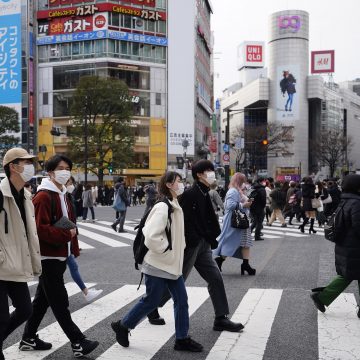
column 170, row 261
column 19, row 253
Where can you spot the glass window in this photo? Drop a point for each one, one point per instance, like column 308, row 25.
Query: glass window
column 135, row 49
column 111, row 47
column 150, row 25
column 127, row 21
column 158, row 52
column 115, row 19
column 65, row 50
column 158, row 99
column 147, row 51
column 124, row 47
column 99, row 47
column 161, row 4
column 45, row 98
column 161, row 27
column 88, row 48
column 76, row 48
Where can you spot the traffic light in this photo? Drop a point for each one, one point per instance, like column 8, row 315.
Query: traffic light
column 265, row 142
column 110, row 168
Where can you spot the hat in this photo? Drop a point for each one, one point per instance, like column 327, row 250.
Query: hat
column 16, row 153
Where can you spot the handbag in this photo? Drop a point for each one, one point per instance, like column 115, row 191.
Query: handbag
column 316, row 203
column 327, row 200
column 239, row 219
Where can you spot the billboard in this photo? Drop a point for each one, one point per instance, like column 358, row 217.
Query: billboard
column 57, row 3
column 251, row 54
column 10, row 54
column 287, row 100
column 322, row 61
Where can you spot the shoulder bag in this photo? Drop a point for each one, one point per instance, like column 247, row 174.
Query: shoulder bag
column 239, row 219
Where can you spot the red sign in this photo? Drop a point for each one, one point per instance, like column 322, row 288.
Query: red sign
column 99, row 21
column 70, row 25
column 87, row 10
column 213, row 144
column 57, row 3
column 31, row 110
column 226, row 157
column 254, row 53
column 322, row 61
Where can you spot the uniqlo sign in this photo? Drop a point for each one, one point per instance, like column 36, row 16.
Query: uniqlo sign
column 322, row 61
column 254, row 53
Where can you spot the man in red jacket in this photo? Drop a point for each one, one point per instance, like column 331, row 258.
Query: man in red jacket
column 56, row 244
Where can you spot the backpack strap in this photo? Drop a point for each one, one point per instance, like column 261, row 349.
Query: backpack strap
column 2, row 209
column 52, row 204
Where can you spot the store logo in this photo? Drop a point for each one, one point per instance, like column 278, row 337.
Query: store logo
column 100, row 21
column 292, row 22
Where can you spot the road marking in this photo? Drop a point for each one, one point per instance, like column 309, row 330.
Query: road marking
column 147, row 339
column 339, row 329
column 124, row 235
column 84, row 246
column 109, row 230
column 267, row 231
column 71, row 288
column 103, row 239
column 267, row 236
column 85, row 318
column 257, row 312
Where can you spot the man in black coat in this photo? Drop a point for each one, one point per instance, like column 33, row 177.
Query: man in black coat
column 347, row 249
column 201, row 230
column 257, row 209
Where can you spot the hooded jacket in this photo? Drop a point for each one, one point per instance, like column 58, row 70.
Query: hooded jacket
column 19, row 249
column 54, row 241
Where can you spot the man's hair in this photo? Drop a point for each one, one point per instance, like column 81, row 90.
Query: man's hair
column 200, row 166
column 55, row 160
column 7, row 167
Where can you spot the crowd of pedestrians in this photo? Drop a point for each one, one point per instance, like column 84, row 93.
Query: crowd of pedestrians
column 181, row 232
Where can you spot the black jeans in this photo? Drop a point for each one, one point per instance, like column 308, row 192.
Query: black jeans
column 18, row 292
column 257, row 222
column 202, row 259
column 120, row 219
column 51, row 292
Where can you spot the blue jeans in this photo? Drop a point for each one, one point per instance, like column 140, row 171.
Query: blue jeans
column 289, row 101
column 155, row 288
column 74, row 271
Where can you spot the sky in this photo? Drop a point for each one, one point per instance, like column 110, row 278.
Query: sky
column 334, row 25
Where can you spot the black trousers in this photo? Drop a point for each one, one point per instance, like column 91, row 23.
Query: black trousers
column 20, row 297
column 257, row 222
column 51, row 292
column 202, row 259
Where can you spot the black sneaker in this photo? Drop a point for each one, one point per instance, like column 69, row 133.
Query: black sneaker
column 223, row 323
column 155, row 318
column 28, row 344
column 188, row 344
column 114, row 227
column 84, row 347
column 319, row 305
column 122, row 333
column 358, row 312
column 2, row 357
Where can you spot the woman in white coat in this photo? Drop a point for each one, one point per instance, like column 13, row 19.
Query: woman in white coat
column 162, row 267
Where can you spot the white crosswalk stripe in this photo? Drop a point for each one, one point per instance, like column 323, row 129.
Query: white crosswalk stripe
column 338, row 328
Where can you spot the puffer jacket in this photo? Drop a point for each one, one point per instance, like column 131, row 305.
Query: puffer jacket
column 347, row 251
column 19, row 251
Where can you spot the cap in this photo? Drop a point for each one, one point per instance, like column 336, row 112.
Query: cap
column 16, row 153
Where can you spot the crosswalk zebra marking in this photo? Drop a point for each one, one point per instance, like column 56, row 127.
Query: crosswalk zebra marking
column 148, row 339
column 111, row 231
column 100, row 238
column 257, row 312
column 339, row 329
column 71, row 288
column 85, row 318
column 286, row 233
column 84, row 246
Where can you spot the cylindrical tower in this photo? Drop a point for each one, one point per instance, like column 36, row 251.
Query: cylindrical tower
column 288, row 60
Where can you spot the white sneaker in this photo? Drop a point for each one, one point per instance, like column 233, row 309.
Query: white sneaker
column 92, row 294
column 93, row 220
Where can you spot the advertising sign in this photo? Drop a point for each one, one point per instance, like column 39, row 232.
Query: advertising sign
column 322, row 61
column 57, row 3
column 287, row 100
column 10, row 54
column 251, row 54
column 289, row 23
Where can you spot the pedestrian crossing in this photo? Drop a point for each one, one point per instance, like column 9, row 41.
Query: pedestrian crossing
column 338, row 328
column 91, row 235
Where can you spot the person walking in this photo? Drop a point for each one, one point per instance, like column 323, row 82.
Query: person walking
column 268, row 189
column 162, row 267
column 201, row 231
column 290, row 202
column 121, row 202
column 235, row 242
column 19, row 244
column 89, row 294
column 278, row 198
column 88, row 203
column 322, row 193
column 335, row 193
column 347, row 249
column 308, row 194
column 78, row 200
column 151, row 195
column 257, row 209
column 56, row 244
column 216, row 201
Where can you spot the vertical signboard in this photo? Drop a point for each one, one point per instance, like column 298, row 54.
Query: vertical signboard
column 322, row 61
column 286, row 95
column 10, row 54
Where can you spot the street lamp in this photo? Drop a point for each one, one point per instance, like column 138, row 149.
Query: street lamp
column 185, row 143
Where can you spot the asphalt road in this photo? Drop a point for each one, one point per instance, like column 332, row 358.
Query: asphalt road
column 281, row 321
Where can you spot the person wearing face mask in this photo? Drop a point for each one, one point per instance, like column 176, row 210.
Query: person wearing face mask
column 56, row 245
column 19, row 243
column 201, row 231
column 162, row 267
column 89, row 294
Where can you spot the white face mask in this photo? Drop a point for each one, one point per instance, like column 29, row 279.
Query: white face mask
column 180, row 189
column 210, row 177
column 62, row 176
column 70, row 188
column 28, row 173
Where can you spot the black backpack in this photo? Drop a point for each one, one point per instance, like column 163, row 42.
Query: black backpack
column 2, row 209
column 139, row 247
column 334, row 230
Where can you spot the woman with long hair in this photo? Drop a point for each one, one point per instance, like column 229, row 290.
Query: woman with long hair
column 163, row 267
column 235, row 242
column 308, row 194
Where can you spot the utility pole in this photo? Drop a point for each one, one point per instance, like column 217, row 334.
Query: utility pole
column 227, row 143
column 86, row 143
